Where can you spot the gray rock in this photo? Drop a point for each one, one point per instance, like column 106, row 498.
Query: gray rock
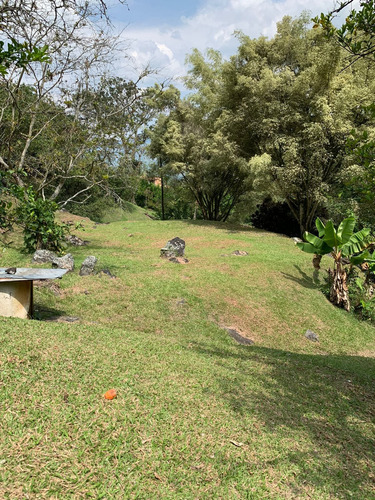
column 88, row 266
column 66, row 262
column 44, row 256
column 173, row 248
column 310, row 335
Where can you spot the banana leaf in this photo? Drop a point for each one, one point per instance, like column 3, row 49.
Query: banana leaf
column 331, row 237
column 357, row 242
column 345, row 230
column 320, row 227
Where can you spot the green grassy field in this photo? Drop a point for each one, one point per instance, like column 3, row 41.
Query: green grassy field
column 197, row 416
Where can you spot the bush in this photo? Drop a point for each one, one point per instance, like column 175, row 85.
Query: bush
column 37, row 218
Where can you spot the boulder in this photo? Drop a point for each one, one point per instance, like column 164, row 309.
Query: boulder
column 65, row 262
column 88, row 266
column 173, row 248
column 44, row 256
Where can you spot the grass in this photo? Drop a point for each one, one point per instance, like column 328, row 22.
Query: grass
column 197, row 415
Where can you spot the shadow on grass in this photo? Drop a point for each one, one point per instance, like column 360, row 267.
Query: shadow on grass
column 229, row 227
column 43, row 313
column 328, row 400
column 304, row 280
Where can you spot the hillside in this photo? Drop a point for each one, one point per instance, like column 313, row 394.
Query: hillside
column 197, row 415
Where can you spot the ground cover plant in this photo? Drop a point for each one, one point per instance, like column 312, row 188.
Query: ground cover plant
column 196, row 415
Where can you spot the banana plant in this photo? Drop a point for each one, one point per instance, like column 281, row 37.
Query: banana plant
column 341, row 242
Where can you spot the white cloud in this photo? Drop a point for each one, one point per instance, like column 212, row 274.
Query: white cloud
column 213, row 26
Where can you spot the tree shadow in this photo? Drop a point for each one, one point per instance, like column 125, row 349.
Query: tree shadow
column 304, row 280
column 229, row 227
column 329, row 399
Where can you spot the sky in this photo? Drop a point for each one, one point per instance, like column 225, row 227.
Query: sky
column 162, row 32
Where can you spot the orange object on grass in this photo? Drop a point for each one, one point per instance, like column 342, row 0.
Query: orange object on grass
column 111, row 394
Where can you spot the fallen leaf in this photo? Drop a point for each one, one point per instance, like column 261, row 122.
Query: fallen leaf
column 157, row 476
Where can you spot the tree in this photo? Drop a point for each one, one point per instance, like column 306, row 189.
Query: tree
column 357, row 37
column 73, row 47
column 191, row 144
column 290, row 111
column 341, row 242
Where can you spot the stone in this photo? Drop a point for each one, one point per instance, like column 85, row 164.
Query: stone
column 72, row 239
column 238, row 337
column 310, row 335
column 88, row 266
column 44, row 256
column 297, row 240
column 65, row 262
column 240, row 253
column 173, row 248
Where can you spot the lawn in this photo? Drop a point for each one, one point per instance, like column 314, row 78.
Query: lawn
column 197, row 416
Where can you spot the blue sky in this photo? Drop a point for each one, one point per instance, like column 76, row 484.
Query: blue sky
column 150, row 12
column 162, row 32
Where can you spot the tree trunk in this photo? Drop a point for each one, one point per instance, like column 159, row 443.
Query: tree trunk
column 316, row 261
column 339, row 290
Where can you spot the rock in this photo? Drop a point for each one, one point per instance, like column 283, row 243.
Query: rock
column 88, row 266
column 173, row 248
column 238, row 337
column 310, row 335
column 240, row 253
column 66, row 262
column 297, row 240
column 72, row 239
column 130, row 235
column 44, row 256
column 11, row 270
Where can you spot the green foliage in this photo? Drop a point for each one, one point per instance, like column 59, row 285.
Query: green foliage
column 37, row 217
column 357, row 34
column 341, row 242
column 20, row 55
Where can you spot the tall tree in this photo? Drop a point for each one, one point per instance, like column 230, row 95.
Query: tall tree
column 290, row 112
